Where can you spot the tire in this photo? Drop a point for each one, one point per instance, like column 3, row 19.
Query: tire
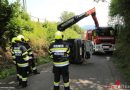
column 75, row 51
column 71, row 44
column 78, row 51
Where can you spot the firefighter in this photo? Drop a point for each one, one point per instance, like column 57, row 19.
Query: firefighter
column 20, row 55
column 13, row 42
column 32, row 66
column 59, row 51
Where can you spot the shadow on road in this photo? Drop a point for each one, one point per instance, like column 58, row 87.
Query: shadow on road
column 98, row 73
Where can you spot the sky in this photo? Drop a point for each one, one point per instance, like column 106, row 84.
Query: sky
column 51, row 10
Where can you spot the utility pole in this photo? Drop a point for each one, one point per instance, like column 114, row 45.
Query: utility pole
column 24, row 5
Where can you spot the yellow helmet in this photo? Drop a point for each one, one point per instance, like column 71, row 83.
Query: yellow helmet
column 20, row 38
column 58, row 35
column 14, row 39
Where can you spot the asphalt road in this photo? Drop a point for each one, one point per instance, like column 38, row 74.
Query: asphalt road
column 97, row 73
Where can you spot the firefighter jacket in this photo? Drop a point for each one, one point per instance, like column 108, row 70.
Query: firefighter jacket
column 20, row 55
column 29, row 50
column 59, row 52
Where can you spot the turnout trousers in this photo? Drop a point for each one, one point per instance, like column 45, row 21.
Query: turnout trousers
column 22, row 75
column 32, row 66
column 64, row 72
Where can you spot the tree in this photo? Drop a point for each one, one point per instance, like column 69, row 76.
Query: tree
column 121, row 8
column 66, row 15
column 12, row 17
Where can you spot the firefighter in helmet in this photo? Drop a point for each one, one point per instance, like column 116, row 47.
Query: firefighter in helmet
column 59, row 52
column 32, row 66
column 13, row 43
column 20, row 56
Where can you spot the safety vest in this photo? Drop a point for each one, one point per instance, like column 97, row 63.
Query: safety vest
column 59, row 52
column 20, row 55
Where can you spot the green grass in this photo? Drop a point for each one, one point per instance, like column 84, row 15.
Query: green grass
column 122, row 58
column 43, row 60
column 8, row 71
column 125, row 70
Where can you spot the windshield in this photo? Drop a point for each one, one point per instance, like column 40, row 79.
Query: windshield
column 105, row 32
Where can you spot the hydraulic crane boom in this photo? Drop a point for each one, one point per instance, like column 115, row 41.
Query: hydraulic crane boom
column 68, row 23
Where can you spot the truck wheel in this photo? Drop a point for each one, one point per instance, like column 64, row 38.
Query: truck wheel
column 78, row 51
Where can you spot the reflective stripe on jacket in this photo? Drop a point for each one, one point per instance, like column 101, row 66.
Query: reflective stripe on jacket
column 19, row 53
column 23, row 65
column 59, row 52
column 61, row 64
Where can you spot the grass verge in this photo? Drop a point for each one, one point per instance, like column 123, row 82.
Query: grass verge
column 11, row 70
column 7, row 72
column 125, row 70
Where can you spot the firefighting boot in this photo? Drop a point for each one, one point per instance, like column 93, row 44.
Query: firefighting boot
column 20, row 83
column 36, row 72
column 24, row 84
column 56, row 87
column 66, row 88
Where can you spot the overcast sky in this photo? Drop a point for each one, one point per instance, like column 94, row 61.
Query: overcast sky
column 52, row 9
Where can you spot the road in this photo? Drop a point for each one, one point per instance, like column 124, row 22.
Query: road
column 98, row 73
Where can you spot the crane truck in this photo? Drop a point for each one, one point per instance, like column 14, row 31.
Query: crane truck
column 102, row 38
column 78, row 50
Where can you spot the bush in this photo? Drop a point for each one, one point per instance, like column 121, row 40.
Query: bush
column 5, row 72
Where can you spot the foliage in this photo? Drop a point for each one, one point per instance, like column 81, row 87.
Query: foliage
column 7, row 72
column 43, row 60
column 66, row 15
column 77, row 29
column 121, row 8
column 14, row 21
column 50, row 28
column 12, row 18
column 38, row 39
column 70, row 33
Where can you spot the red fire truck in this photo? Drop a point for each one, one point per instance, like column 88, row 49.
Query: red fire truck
column 102, row 38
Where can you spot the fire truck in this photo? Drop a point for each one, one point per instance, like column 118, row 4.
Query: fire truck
column 102, row 38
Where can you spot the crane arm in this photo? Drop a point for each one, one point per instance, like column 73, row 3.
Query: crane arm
column 68, row 23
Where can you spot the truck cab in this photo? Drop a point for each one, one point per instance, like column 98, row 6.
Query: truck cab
column 103, row 39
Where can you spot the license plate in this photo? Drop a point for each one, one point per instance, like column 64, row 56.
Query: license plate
column 105, row 46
